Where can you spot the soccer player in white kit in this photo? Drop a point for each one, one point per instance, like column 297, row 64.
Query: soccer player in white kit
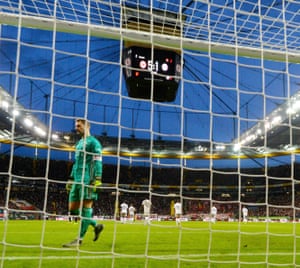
column 131, row 211
column 245, row 214
column 147, row 207
column 124, row 211
column 213, row 213
column 178, row 212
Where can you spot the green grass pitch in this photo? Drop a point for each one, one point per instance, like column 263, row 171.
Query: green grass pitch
column 161, row 244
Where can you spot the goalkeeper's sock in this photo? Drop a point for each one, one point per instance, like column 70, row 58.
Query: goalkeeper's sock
column 87, row 214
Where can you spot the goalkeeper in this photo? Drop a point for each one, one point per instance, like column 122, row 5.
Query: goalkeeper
column 86, row 177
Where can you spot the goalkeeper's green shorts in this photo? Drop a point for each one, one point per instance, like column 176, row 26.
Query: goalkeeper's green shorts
column 88, row 193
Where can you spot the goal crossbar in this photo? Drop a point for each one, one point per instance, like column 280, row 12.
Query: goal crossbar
column 146, row 37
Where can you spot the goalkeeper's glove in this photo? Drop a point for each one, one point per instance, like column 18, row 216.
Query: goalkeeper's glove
column 96, row 183
column 69, row 185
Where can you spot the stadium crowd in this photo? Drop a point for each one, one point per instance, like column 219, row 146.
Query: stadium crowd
column 42, row 184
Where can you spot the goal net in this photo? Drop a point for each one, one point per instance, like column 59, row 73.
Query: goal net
column 193, row 101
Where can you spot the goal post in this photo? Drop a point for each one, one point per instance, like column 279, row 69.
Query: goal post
column 129, row 34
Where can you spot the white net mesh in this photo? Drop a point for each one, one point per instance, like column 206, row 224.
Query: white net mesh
column 194, row 101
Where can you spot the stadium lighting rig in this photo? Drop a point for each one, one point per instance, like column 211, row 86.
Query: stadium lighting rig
column 274, row 131
column 27, row 127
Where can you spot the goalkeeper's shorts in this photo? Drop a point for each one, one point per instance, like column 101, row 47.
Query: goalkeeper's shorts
column 77, row 194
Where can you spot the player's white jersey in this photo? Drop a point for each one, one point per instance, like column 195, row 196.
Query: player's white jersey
column 178, row 208
column 245, row 211
column 147, row 206
column 124, row 208
column 131, row 210
column 213, row 210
